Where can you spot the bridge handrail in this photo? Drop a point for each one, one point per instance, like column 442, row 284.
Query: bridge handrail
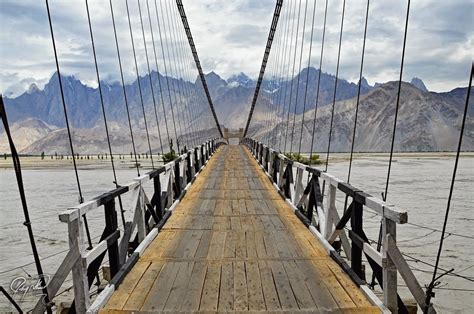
column 149, row 216
column 327, row 225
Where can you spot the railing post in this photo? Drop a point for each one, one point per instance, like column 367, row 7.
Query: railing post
column 189, row 169
column 159, row 201
column 110, row 227
column 356, row 226
column 331, row 208
column 276, row 165
column 389, row 270
column 266, row 158
column 177, row 179
column 196, row 160
column 79, row 269
column 140, row 206
column 202, row 155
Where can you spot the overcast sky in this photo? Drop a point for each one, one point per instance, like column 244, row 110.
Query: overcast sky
column 230, row 38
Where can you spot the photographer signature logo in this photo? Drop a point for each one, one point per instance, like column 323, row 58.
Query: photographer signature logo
column 21, row 286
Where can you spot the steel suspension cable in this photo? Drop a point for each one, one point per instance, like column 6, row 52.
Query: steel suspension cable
column 277, row 81
column 166, row 75
column 139, row 83
column 435, row 278
column 397, row 105
column 281, row 69
column 290, row 77
column 358, row 94
column 335, row 84
column 149, row 77
column 286, row 70
column 319, row 81
column 394, row 130
column 123, row 88
column 26, row 215
column 307, row 76
column 63, row 101
column 273, row 84
column 175, row 83
column 179, row 72
column 299, row 76
column 172, row 60
column 158, row 73
column 104, row 116
column 267, row 124
column 186, row 72
column 274, row 65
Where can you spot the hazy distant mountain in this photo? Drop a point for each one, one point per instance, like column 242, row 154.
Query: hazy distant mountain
column 427, row 121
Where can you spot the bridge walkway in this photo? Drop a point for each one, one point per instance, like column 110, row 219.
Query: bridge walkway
column 233, row 244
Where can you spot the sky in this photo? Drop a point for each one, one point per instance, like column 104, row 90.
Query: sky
column 230, row 37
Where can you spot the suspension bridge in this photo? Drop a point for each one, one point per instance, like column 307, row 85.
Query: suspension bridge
column 229, row 222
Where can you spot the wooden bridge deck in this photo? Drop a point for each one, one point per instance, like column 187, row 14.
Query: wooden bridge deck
column 233, row 244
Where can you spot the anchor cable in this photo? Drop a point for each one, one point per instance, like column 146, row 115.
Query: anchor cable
column 27, row 222
column 434, row 281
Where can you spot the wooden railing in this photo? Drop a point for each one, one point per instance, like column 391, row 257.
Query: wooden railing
column 307, row 198
column 170, row 183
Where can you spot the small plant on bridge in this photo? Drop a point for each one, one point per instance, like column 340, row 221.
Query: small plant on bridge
column 171, row 155
column 314, row 160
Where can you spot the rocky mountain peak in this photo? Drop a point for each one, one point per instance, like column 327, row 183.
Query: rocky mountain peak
column 241, row 79
column 418, row 83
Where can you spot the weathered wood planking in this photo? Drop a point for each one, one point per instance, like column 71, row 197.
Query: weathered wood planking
column 233, row 244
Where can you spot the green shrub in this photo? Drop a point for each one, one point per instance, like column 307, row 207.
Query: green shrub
column 304, row 160
column 169, row 156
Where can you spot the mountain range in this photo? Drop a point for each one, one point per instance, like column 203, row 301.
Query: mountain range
column 428, row 121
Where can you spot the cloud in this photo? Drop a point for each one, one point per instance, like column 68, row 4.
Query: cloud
column 230, row 37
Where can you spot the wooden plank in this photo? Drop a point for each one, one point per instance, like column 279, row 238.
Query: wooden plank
column 321, row 295
column 204, row 244
column 343, row 300
column 268, row 288
column 210, row 291
column 121, row 295
column 240, row 287
column 300, row 291
column 405, row 271
column 216, row 248
column 254, row 286
column 283, row 287
column 159, row 292
column 179, row 288
column 241, row 245
column 250, row 243
column 141, row 290
column 194, row 290
column 226, row 293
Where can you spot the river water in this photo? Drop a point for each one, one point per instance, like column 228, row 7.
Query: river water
column 419, row 184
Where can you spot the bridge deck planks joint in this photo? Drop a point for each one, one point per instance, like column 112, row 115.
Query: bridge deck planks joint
column 232, row 244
